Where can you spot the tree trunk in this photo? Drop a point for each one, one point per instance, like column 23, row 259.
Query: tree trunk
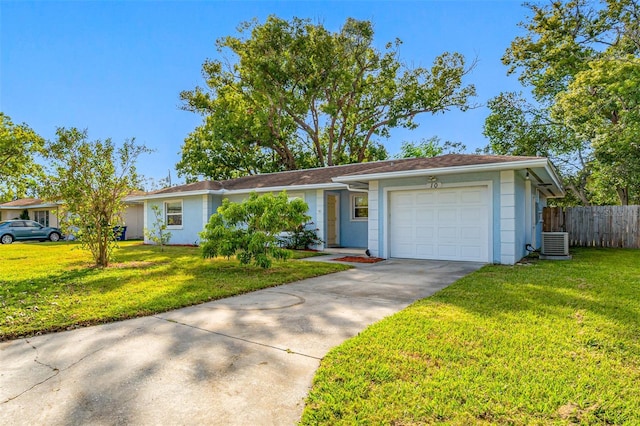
column 623, row 195
column 580, row 194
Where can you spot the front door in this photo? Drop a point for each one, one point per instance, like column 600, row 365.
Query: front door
column 333, row 225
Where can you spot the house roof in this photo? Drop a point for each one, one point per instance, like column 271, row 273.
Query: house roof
column 32, row 203
column 327, row 175
column 24, row 203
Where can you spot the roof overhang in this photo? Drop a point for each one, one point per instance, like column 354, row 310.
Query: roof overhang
column 31, row 206
column 290, row 188
column 542, row 171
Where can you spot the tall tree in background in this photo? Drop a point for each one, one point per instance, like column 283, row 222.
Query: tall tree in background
column 91, row 178
column 519, row 127
column 295, row 95
column 19, row 171
column 580, row 59
column 431, row 147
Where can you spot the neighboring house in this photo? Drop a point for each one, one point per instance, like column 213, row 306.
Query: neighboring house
column 41, row 212
column 47, row 214
column 480, row 208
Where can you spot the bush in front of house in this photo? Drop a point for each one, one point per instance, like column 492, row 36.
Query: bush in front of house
column 301, row 238
column 249, row 230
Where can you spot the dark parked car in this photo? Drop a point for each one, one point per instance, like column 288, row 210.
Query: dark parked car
column 16, row 230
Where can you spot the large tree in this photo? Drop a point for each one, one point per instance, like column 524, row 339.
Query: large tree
column 293, row 95
column 602, row 104
column 19, row 147
column 91, row 179
column 516, row 126
column 430, row 147
column 579, row 58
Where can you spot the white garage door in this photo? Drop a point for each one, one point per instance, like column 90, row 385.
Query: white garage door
column 444, row 224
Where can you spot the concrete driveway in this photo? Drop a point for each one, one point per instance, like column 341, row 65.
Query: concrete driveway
column 244, row 360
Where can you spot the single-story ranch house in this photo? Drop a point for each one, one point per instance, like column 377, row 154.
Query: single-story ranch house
column 481, row 208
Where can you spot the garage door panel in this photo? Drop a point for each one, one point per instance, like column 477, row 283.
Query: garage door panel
column 468, row 233
column 447, row 216
column 423, row 232
column 406, row 250
column 425, row 214
column 425, row 251
column 447, row 197
column 425, row 198
column 471, row 197
column 447, row 233
column 404, row 199
column 471, row 254
column 405, row 234
column 473, row 214
column 406, row 216
column 447, row 224
column 448, row 251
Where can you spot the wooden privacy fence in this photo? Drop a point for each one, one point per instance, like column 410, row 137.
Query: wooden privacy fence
column 595, row 226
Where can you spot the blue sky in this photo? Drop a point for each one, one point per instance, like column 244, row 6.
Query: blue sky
column 117, row 67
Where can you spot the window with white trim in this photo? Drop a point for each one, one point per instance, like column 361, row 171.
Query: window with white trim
column 359, row 206
column 173, row 214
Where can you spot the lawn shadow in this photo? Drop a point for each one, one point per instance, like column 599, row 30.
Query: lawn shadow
column 597, row 282
column 235, row 361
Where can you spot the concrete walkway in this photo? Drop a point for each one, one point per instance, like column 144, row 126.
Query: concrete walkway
column 244, row 360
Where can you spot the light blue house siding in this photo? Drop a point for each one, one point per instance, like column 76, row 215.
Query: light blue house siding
column 194, row 211
column 353, row 233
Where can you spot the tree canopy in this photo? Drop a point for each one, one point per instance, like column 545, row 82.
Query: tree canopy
column 294, row 95
column 91, row 178
column 19, row 146
column 581, row 60
column 430, row 147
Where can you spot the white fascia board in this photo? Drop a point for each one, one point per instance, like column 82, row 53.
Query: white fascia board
column 290, row 188
column 446, row 170
column 177, row 194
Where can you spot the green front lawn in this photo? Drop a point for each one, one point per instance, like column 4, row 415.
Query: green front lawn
column 547, row 343
column 52, row 286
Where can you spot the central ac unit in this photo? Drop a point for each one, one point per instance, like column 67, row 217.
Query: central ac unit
column 555, row 244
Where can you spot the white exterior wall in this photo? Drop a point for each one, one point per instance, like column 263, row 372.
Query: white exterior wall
column 374, row 219
column 507, row 218
column 320, row 217
column 134, row 221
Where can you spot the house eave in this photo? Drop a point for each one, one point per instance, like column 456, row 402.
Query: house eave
column 173, row 195
column 289, row 188
column 491, row 167
column 33, row 206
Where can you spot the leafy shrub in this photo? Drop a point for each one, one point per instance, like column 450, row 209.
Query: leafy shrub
column 301, row 238
column 158, row 233
column 250, row 230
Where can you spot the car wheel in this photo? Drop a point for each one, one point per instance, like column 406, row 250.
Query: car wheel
column 54, row 236
column 6, row 239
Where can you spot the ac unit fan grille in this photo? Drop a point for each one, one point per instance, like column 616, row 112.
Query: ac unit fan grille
column 555, row 243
